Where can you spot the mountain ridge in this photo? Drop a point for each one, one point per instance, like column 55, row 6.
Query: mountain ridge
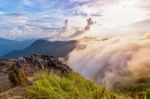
column 45, row 47
column 7, row 46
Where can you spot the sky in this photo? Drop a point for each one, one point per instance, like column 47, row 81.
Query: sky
column 27, row 19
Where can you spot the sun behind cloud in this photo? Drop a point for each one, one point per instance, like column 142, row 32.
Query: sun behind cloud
column 122, row 14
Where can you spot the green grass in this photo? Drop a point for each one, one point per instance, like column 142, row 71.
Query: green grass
column 139, row 89
column 72, row 86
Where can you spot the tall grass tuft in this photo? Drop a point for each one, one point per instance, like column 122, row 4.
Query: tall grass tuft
column 72, row 86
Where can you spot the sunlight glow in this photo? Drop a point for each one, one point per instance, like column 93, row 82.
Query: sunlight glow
column 122, row 14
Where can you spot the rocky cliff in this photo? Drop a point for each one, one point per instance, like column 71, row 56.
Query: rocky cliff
column 14, row 74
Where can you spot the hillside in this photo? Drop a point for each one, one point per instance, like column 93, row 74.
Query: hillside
column 44, row 47
column 45, row 77
column 16, row 74
column 7, row 46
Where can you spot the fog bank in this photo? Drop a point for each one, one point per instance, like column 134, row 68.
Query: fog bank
column 113, row 60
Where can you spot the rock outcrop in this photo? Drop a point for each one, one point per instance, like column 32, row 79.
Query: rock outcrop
column 25, row 70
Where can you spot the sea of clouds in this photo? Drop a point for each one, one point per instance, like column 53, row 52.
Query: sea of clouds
column 120, row 59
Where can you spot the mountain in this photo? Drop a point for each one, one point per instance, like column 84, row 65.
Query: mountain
column 7, row 46
column 45, row 47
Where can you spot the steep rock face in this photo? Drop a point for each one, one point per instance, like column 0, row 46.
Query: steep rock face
column 25, row 70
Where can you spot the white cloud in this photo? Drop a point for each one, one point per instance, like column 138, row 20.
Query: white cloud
column 110, row 16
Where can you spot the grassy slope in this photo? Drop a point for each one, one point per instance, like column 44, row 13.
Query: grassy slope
column 73, row 86
column 139, row 88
